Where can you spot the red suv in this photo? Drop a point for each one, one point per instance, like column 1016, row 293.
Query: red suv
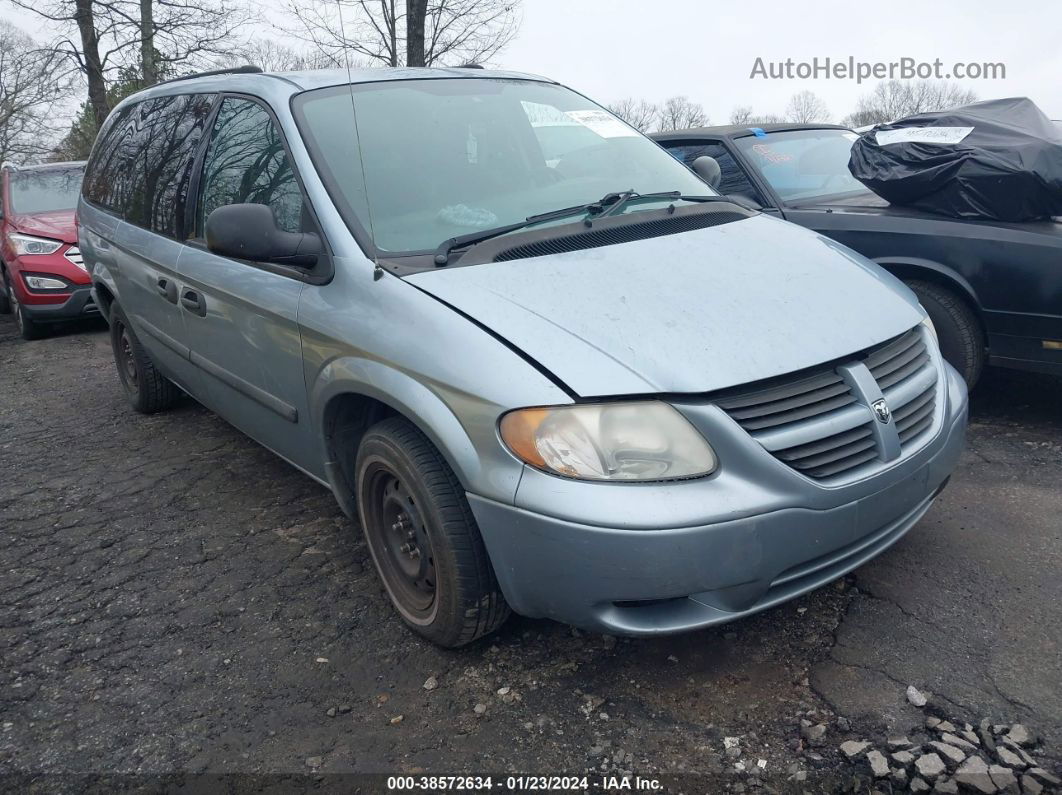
column 43, row 278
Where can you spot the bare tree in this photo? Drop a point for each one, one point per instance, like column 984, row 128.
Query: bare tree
column 416, row 19
column 274, row 57
column 894, row 99
column 406, row 32
column 31, row 80
column 155, row 37
column 678, row 113
column 743, row 115
column 806, row 107
column 636, row 112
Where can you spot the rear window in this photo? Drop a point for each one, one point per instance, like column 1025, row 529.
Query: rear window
column 45, row 190
column 141, row 167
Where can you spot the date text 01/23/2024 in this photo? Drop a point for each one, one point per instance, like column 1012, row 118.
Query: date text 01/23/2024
column 521, row 783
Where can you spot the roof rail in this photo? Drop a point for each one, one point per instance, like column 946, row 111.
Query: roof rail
column 246, row 69
column 471, row 66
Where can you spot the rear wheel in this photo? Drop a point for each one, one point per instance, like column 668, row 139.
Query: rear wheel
column 423, row 537
column 148, row 390
column 959, row 332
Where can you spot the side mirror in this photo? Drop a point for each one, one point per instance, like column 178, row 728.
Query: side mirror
column 707, row 168
column 249, row 231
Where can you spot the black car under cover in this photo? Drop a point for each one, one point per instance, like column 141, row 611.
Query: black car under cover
column 1000, row 159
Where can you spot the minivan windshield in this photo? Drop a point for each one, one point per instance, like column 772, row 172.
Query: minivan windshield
column 45, row 190
column 440, row 158
column 803, row 164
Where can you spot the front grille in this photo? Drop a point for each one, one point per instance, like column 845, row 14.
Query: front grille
column 816, row 424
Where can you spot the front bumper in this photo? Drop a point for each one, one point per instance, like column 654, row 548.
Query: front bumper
column 77, row 304
column 634, row 578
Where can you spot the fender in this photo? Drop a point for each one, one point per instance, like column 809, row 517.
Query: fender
column 494, row 474
column 909, row 264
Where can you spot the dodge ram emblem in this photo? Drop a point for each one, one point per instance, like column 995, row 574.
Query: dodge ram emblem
column 881, row 410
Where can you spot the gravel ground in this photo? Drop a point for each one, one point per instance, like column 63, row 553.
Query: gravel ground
column 175, row 599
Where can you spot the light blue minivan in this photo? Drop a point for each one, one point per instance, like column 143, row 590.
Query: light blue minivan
column 545, row 366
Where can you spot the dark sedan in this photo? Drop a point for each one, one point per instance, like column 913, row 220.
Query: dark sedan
column 992, row 289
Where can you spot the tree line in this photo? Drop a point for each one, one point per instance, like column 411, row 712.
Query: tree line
column 889, row 100
column 108, row 49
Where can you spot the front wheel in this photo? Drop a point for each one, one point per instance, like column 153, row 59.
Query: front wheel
column 962, row 341
column 5, row 292
column 28, row 328
column 423, row 537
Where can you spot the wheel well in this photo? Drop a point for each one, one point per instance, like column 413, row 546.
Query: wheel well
column 346, row 419
column 105, row 298
column 906, row 273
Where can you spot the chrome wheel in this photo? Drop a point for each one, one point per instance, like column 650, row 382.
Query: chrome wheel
column 16, row 308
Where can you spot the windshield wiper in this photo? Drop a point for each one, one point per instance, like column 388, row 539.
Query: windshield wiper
column 607, row 205
column 442, row 253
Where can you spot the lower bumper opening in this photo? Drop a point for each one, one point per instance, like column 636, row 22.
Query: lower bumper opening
column 643, row 603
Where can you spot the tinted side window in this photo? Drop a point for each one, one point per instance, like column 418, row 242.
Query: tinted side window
column 733, row 181
column 107, row 174
column 246, row 164
column 167, row 132
column 141, row 165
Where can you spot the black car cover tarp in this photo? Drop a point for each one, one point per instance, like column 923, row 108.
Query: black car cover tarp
column 1000, row 159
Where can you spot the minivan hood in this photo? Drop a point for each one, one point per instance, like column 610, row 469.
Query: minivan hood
column 687, row 313
column 56, row 225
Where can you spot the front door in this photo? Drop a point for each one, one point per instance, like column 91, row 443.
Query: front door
column 240, row 317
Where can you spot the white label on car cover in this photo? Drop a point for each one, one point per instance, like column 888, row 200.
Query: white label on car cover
column 604, row 124
column 923, row 135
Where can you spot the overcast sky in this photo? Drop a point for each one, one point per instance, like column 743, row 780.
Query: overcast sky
column 654, row 49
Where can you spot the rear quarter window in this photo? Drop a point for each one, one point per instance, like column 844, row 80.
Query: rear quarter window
column 107, row 170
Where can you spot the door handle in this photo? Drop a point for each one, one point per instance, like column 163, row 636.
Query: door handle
column 167, row 289
column 193, row 302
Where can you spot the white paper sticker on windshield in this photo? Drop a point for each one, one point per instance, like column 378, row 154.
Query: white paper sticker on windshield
column 604, row 124
column 923, row 135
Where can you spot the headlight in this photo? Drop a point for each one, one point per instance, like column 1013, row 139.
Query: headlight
column 25, row 244
column 43, row 283
column 928, row 323
column 647, row 440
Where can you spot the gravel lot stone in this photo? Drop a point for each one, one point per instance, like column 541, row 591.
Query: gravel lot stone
column 174, row 599
column 930, row 766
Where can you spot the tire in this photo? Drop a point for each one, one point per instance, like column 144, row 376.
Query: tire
column 28, row 328
column 5, row 301
column 423, row 537
column 148, row 390
column 959, row 332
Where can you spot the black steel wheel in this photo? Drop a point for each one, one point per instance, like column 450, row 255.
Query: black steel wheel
column 148, row 390
column 423, row 538
column 406, row 552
